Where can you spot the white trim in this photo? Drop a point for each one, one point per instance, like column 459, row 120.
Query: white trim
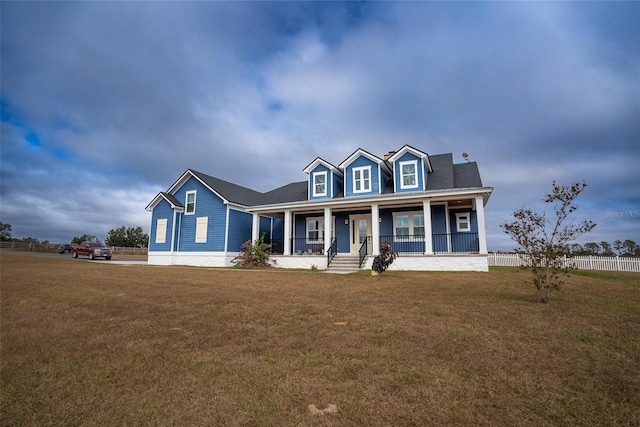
column 287, row 232
column 314, row 175
column 186, row 202
column 161, row 224
column 428, row 229
column 173, row 230
column 411, row 223
column 459, row 215
column 403, row 186
column 375, row 229
column 202, row 229
column 482, row 234
column 437, row 196
column 361, row 169
column 226, row 229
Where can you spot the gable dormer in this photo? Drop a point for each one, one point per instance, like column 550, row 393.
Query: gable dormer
column 364, row 174
column 325, row 180
column 411, row 169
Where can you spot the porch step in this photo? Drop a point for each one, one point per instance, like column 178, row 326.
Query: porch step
column 342, row 264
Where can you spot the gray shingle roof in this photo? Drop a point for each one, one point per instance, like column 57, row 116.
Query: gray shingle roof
column 445, row 176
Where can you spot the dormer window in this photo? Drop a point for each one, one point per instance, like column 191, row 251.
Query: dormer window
column 362, row 179
column 409, row 174
column 319, row 184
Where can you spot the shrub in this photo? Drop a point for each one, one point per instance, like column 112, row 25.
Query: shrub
column 255, row 255
column 386, row 257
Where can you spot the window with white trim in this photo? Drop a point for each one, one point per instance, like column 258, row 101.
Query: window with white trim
column 319, row 184
column 201, row 229
column 315, row 229
column 408, row 224
column 161, row 230
column 190, row 203
column 408, row 174
column 362, row 179
column 463, row 222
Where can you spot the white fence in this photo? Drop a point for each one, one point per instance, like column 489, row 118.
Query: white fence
column 590, row 262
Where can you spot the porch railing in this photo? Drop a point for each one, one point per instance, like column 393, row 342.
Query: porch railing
column 363, row 251
column 441, row 243
column 304, row 245
column 457, row 243
column 333, row 250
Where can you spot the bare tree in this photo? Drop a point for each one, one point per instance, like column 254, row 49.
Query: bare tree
column 542, row 242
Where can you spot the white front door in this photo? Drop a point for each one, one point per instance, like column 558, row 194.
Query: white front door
column 360, row 229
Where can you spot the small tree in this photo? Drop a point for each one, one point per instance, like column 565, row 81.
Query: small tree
column 542, row 242
column 386, row 257
column 255, row 255
column 5, row 231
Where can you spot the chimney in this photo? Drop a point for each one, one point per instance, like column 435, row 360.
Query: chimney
column 389, row 154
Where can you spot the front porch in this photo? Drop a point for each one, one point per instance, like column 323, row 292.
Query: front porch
column 451, row 252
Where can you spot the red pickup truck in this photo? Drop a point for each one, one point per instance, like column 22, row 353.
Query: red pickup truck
column 91, row 249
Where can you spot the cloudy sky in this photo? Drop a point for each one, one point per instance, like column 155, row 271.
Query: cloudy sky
column 106, row 103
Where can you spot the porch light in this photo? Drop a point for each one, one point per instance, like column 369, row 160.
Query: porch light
column 379, row 219
column 346, row 222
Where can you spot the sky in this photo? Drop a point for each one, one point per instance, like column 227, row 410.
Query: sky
column 104, row 104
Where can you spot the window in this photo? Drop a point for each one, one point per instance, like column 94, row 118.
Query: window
column 362, row 179
column 462, row 222
column 319, row 184
column 418, row 225
column 409, row 174
column 161, row 230
column 315, row 229
column 402, row 225
column 201, row 229
column 408, row 225
column 191, row 203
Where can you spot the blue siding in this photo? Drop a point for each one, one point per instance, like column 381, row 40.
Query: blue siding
column 439, row 228
column 240, row 224
column 398, row 173
column 320, row 168
column 460, row 241
column 162, row 210
column 265, row 228
column 338, row 185
column 207, row 205
column 375, row 178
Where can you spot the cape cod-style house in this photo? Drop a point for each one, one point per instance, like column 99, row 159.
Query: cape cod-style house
column 429, row 208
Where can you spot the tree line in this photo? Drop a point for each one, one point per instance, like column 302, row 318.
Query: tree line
column 620, row 248
column 130, row 237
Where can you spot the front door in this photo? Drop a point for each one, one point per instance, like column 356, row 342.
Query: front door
column 360, row 226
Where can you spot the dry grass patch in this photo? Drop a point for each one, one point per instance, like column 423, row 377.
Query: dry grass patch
column 89, row 343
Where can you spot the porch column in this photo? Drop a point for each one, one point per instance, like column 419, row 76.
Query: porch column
column 287, row 233
column 482, row 234
column 375, row 229
column 428, row 238
column 328, row 232
column 255, row 227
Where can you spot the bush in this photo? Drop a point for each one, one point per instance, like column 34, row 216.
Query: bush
column 256, row 255
column 385, row 259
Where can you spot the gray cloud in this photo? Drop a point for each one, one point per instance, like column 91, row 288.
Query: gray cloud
column 104, row 104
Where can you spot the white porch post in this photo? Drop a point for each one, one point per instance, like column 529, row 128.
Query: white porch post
column 428, row 238
column 287, row 233
column 328, row 232
column 375, row 229
column 255, row 227
column 448, row 226
column 482, row 234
